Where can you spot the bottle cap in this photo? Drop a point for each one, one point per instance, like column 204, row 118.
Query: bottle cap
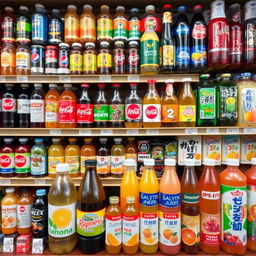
column 189, row 162
column 55, row 140
column 72, row 139
column 209, row 162
column 169, row 162
column 87, row 6
column 23, row 140
column 133, row 84
column 114, row 200
column 8, row 140
column 62, row 168
column 25, row 190
column 151, row 81
column 9, row 190
column 41, row 192
column 67, row 85
column 205, row 76
column 9, row 85
column 167, row 6
column 23, row 8
column 130, row 162
column 90, row 162
column 51, row 47
column 246, row 75
column 116, row 85
column 181, row 8
column 72, row 6
column 63, row 45
column 130, row 200
column 149, row 162
column 169, row 81
column 133, row 42
column 121, row 43
column 225, row 75
column 233, row 162
column 38, row 140
column 89, row 44
column 104, row 6
column 186, row 79
column 104, row 44
column 53, row 85
column 38, row 85
column 134, row 10
column 120, row 8
column 103, row 139
column 253, row 160
column 87, row 139
column 76, row 45
column 8, row 9
column 85, row 85
column 150, row 8
column 198, row 6
column 56, row 11
column 117, row 139
column 101, row 85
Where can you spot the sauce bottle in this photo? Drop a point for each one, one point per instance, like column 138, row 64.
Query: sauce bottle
column 8, row 61
column 23, row 59
column 134, row 25
column 117, row 158
column 72, row 157
column 119, row 62
column 104, row 59
column 71, row 25
column 90, row 59
column 76, row 59
column 103, row 158
column 7, row 164
column 120, row 25
column 88, row 152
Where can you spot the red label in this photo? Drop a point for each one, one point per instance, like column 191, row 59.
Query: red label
column 113, row 218
column 236, row 40
column 20, row 161
column 6, row 161
column 9, row 105
column 84, row 113
column 154, row 20
column 199, row 32
column 133, row 59
column 220, row 36
column 119, row 59
column 130, row 218
column 133, row 111
column 67, row 111
column 149, row 215
column 22, row 209
column 151, row 112
column 51, row 55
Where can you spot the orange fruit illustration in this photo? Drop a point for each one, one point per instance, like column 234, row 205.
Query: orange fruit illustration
column 133, row 240
column 147, row 233
column 150, row 240
column 167, row 233
column 173, row 239
column 236, row 155
column 197, row 156
column 217, row 156
column 112, row 240
column 62, row 217
column 188, row 236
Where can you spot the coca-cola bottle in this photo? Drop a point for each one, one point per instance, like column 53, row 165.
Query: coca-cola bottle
column 133, row 60
column 23, row 106
column 84, row 108
column 133, row 108
column 9, row 106
column 119, row 58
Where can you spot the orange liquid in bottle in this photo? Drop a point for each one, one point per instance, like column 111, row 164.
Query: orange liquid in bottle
column 72, row 157
column 8, row 59
column 88, row 152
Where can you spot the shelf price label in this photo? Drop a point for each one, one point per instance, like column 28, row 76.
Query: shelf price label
column 2, row 79
column 191, row 131
column 5, row 182
column 85, row 132
column 212, row 131
column 8, row 245
column 22, row 79
column 106, row 132
column 105, row 78
column 65, row 79
column 55, row 132
column 152, row 132
column 249, row 130
column 37, row 246
column 132, row 132
column 40, row 182
column 232, row 130
column 133, row 78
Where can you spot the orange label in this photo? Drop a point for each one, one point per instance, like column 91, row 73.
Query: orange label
column 87, row 28
column 170, row 113
column 103, row 164
column 8, row 60
column 120, row 23
column 82, row 159
column 117, row 164
column 71, row 28
column 167, row 17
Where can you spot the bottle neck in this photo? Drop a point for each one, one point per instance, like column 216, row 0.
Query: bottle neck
column 134, row 91
column 187, row 88
column 217, row 10
column 151, row 88
column 169, row 89
column 130, row 169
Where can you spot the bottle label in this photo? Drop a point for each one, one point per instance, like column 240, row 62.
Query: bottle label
column 24, row 216
column 250, row 42
column 228, row 102
column 52, row 163
column 63, row 61
column 182, row 55
column 199, row 31
column 9, row 216
column 187, row 113
column 116, row 113
column 199, row 55
column 39, row 27
column 133, row 60
column 169, row 228
column 209, row 195
column 150, row 19
column 74, row 164
column 120, row 28
column 23, row 30
column 133, row 112
column 51, row 111
column 170, row 113
column 167, row 17
column 8, row 29
column 61, row 220
column 190, row 198
column 152, row 113
column 190, row 229
column 233, row 214
column 55, row 31
column 251, row 197
column 8, row 105
column 117, row 164
column 23, row 60
column 149, row 53
column 82, row 163
column 119, row 60
column 38, row 164
column 23, row 106
column 101, row 113
column 131, row 226
column 76, row 62
column 134, row 30
column 148, row 199
column 210, row 229
column 168, row 53
column 71, row 28
column 22, row 162
column 7, row 163
column 104, row 60
column 207, row 99
column 39, row 220
column 132, row 156
column 103, row 164
column 169, row 200
column 236, row 41
column 90, row 62
column 90, row 223
column 248, row 103
column 104, row 28
column 36, row 111
column 87, row 28
column 84, row 114
column 149, row 228
column 67, row 111
column 113, row 230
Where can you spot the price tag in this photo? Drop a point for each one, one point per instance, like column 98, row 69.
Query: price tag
column 232, row 130
column 191, row 131
column 5, row 182
column 2, row 79
column 37, row 246
column 105, row 78
column 212, row 131
column 132, row 132
column 55, row 132
column 133, row 78
column 106, row 132
column 249, row 130
column 65, row 79
column 85, row 132
column 152, row 132
column 8, row 245
column 40, row 182
column 22, row 79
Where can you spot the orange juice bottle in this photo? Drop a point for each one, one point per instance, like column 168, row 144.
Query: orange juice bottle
column 129, row 183
column 149, row 189
column 51, row 107
column 72, row 157
column 88, row 152
column 9, row 212
column 233, row 209
column 55, row 156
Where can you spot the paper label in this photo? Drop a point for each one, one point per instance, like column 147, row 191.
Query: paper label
column 131, row 226
column 52, row 163
column 117, row 164
column 113, row 228
column 24, row 216
column 36, row 111
column 212, row 148
column 103, row 164
column 149, row 228
column 9, row 216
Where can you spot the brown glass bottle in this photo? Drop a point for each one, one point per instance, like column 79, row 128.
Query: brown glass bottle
column 133, row 60
column 119, row 58
column 103, row 158
column 104, row 59
column 90, row 59
column 76, row 59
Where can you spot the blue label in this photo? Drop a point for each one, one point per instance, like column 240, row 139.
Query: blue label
column 55, row 31
column 198, row 54
column 39, row 27
column 167, row 200
column 182, row 29
column 7, row 170
column 37, row 54
column 182, row 55
column 147, row 199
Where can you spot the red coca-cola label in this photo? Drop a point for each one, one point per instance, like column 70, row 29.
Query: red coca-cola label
column 199, row 32
column 20, row 161
column 119, row 59
column 8, row 105
column 151, row 113
column 6, row 161
column 133, row 111
column 151, row 19
column 67, row 111
column 51, row 56
column 84, row 113
column 236, row 41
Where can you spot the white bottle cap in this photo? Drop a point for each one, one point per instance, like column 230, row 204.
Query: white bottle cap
column 72, row 6
column 67, row 85
column 9, row 190
column 253, row 161
column 169, row 81
column 186, row 79
column 209, row 162
column 130, row 162
column 62, row 167
column 169, row 162
column 150, row 8
column 189, row 162
column 233, row 162
column 149, row 162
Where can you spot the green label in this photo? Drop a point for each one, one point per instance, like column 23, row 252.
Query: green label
column 149, row 53
column 190, row 198
column 228, row 102
column 207, row 100
column 22, row 162
column 100, row 113
column 116, row 113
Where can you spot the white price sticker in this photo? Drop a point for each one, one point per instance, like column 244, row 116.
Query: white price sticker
column 55, row 132
column 152, row 132
column 133, row 78
column 40, row 182
column 249, row 130
column 212, row 131
column 65, row 79
column 22, row 79
column 191, row 131
column 232, row 130
column 5, row 181
column 132, row 132
column 37, row 246
column 85, row 132
column 106, row 132
column 2, row 79
column 105, row 78
column 8, row 245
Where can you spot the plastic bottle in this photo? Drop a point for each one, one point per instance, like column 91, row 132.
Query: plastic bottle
column 71, row 25
column 209, row 187
column 7, row 164
column 91, row 234
column 134, row 25
column 120, row 25
column 9, row 106
column 88, row 152
column 55, row 28
column 62, row 200
column 8, row 25
column 169, row 210
column 72, row 157
column 23, row 26
column 117, row 158
column 8, row 61
column 23, row 59
column 233, row 204
column 103, row 158
column 23, row 106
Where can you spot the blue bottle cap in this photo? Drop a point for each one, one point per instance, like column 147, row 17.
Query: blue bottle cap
column 181, row 8
column 247, row 74
column 39, row 140
column 41, row 192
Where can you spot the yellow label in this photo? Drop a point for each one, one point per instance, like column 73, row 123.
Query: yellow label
column 168, row 55
column 104, row 60
column 76, row 62
column 74, row 163
column 187, row 113
column 212, row 148
column 167, row 17
column 104, row 28
column 82, row 159
column 87, row 28
column 53, row 161
column 90, row 62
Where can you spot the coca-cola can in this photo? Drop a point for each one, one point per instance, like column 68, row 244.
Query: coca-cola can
column 51, row 60
column 37, row 59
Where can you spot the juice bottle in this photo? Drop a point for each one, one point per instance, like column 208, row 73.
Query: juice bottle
column 55, row 156
column 24, row 207
column 209, row 187
column 113, row 226
column 131, row 227
column 9, row 212
column 8, row 59
column 247, row 100
column 190, row 214
column 151, row 106
column 91, row 209
column 72, row 157
column 187, row 105
column 120, row 25
column 89, row 59
column 76, row 59
column 52, row 107
column 104, row 59
column 7, row 163
column 131, row 150
column 23, row 59
column 169, row 210
column 71, row 25
column 103, row 158
column 149, row 189
column 130, row 184
column 117, row 158
column 62, row 200
column 251, row 204
column 88, row 151
column 170, row 106
column 233, row 209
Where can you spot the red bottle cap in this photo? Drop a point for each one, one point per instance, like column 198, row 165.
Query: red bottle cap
column 133, row 84
column 101, row 85
column 116, row 85
column 167, row 6
column 151, row 81
column 85, row 85
column 198, row 6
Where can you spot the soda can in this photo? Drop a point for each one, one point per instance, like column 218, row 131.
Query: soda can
column 37, row 60
column 51, row 60
column 63, row 61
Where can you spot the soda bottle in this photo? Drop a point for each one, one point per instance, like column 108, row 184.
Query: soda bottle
column 62, row 200
column 251, row 191
column 167, row 48
column 119, row 62
column 84, row 108
column 131, row 151
column 9, row 106
column 190, row 214
column 87, row 25
column 22, row 158
column 90, row 59
column 76, row 59
column 67, row 108
column 169, row 209
column 209, row 187
column 218, row 36
column 120, row 25
column 23, row 59
column 133, row 59
column 151, row 106
column 133, row 108
column 182, row 34
column 113, row 226
column 8, row 59
column 117, row 158
column 149, row 208
column 88, row 152
column 170, row 106
column 63, row 60
column 101, row 108
column 51, row 60
column 116, row 108
column 23, row 26
column 91, row 234
column 37, row 59
column 198, row 41
column 104, row 59
column 39, row 25
column 233, row 208
column 71, row 25
column 103, row 158
column 8, row 25
column 7, row 164
column 72, row 157
column 134, row 25
column 37, row 106
column 52, row 107
column 55, row 28
column 23, row 106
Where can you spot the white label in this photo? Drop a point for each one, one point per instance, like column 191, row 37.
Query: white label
column 5, row 182
column 40, row 182
column 36, row 111
column 232, row 130
column 152, row 132
column 105, row 78
column 66, row 79
column 85, row 132
column 9, row 216
column 191, row 131
column 114, row 228
column 37, row 246
column 210, row 195
column 23, row 106
column 131, row 227
column 117, row 164
column 212, row 131
column 152, row 113
column 61, row 220
column 8, row 245
column 249, row 130
column 55, row 132
column 132, row 132
column 149, row 228
column 133, row 78
column 24, row 216
column 22, row 79
column 106, row 132
column 2, row 79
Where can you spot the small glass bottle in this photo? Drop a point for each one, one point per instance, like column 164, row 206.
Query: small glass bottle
column 76, row 59
column 90, row 59
column 119, row 58
column 104, row 59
